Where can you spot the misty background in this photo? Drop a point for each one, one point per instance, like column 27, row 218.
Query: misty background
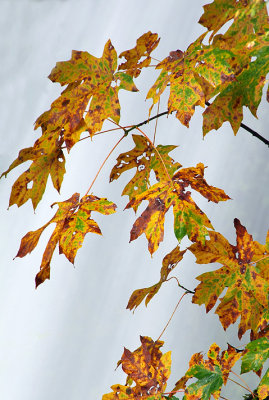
column 63, row 340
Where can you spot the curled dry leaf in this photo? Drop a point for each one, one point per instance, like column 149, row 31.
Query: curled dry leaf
column 170, row 261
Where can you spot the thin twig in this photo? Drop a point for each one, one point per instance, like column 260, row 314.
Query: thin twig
column 230, row 379
column 145, row 122
column 182, row 287
column 174, row 391
column 98, row 133
column 156, row 123
column 103, row 163
column 184, row 294
column 242, row 380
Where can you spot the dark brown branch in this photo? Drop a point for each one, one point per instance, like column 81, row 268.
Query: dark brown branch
column 144, row 122
column 254, row 133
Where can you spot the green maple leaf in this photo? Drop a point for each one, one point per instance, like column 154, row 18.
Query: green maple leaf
column 257, row 354
column 211, row 374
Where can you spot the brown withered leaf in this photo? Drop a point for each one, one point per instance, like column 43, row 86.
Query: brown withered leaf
column 73, row 221
column 170, row 261
column 188, row 218
column 47, row 159
column 147, row 367
column 247, row 283
column 145, row 44
column 91, row 81
column 145, row 159
column 211, row 374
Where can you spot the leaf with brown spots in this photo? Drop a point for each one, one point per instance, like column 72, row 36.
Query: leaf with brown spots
column 211, row 374
column 47, row 159
column 217, row 13
column 170, row 261
column 247, row 294
column 248, row 37
column 145, row 159
column 181, row 71
column 73, row 221
column 145, row 44
column 263, row 388
column 93, row 86
column 257, row 352
column 188, row 218
column 147, row 368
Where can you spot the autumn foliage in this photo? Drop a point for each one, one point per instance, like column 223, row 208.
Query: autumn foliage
column 222, row 72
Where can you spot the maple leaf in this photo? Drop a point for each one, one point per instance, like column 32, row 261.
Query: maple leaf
column 181, row 70
column 47, row 159
column 211, row 374
column 248, row 36
column 247, row 294
column 147, row 367
column 89, row 80
column 73, row 221
column 188, row 218
column 217, row 13
column 248, row 16
column 170, row 261
column 257, row 353
column 144, row 158
column 145, row 44
column 263, row 388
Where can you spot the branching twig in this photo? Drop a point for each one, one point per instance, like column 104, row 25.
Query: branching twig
column 182, row 287
column 237, row 383
column 242, row 380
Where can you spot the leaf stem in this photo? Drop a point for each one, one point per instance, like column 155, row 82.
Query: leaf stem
column 160, row 157
column 255, row 262
column 174, row 391
column 242, row 380
column 184, row 294
column 156, row 123
column 103, row 163
column 244, row 387
column 182, row 287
